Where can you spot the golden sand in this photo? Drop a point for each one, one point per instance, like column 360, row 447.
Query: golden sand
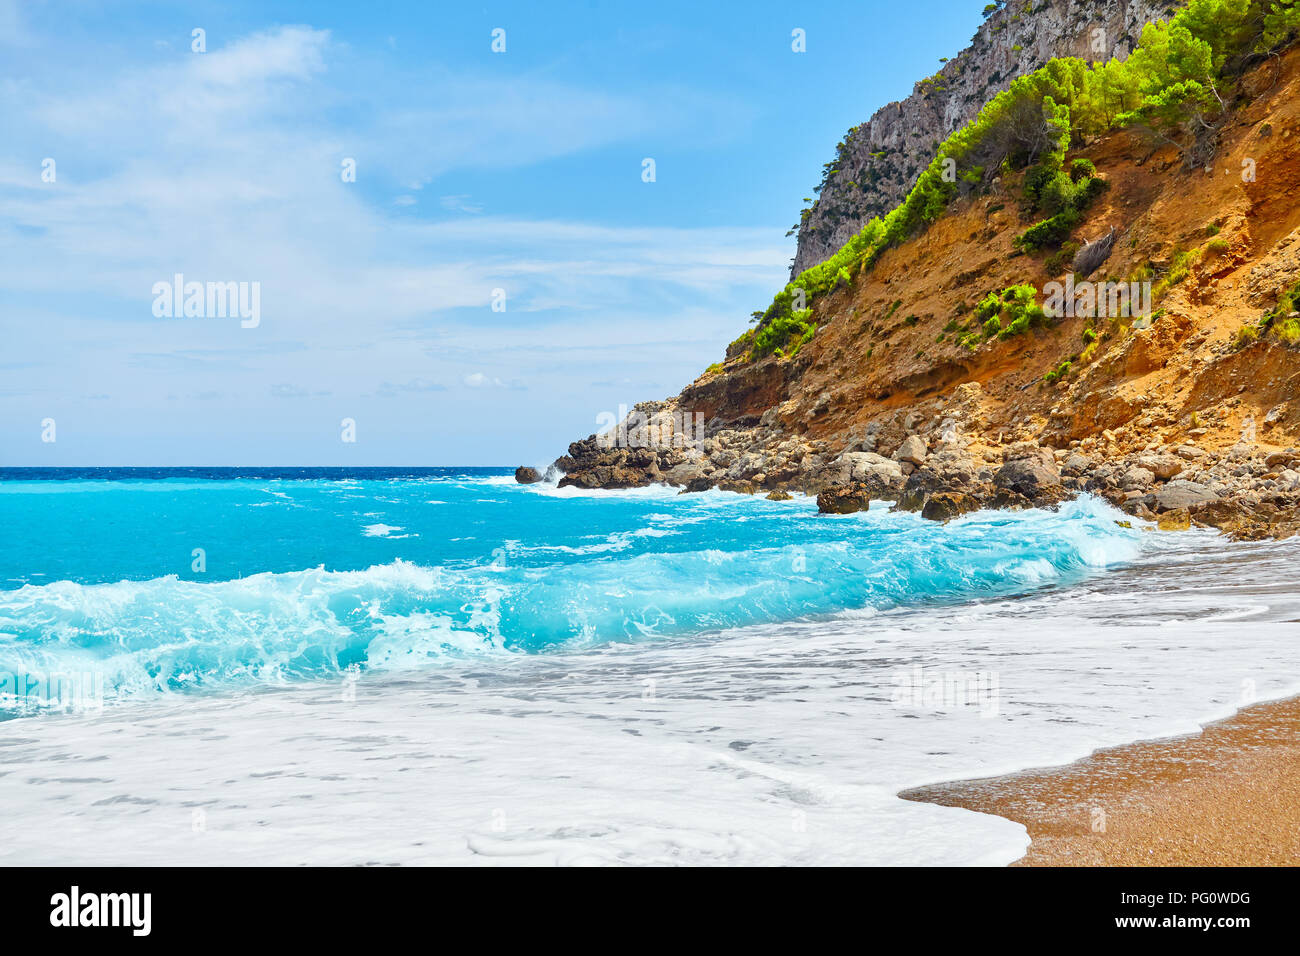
column 1229, row 796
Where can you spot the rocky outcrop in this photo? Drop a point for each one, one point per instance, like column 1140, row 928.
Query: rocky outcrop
column 1247, row 491
column 527, row 476
column 878, row 161
column 1025, row 477
column 946, row 505
column 843, row 499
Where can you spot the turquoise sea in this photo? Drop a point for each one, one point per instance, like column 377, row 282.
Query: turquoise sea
column 440, row 665
column 201, row 580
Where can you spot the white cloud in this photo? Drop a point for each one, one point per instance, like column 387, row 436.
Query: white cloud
column 224, row 166
column 479, row 380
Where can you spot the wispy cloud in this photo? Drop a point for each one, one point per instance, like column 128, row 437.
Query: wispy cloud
column 479, row 380
column 224, row 166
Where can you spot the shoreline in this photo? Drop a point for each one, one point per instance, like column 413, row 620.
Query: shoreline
column 1248, row 491
column 1228, row 795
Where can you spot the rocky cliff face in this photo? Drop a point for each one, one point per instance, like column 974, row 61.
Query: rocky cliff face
column 878, row 162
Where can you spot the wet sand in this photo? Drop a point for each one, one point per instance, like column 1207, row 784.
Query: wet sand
column 1229, row 796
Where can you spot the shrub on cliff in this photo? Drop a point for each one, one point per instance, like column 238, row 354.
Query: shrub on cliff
column 1013, row 312
column 1172, row 84
column 1064, row 198
column 785, row 334
column 1002, row 315
column 1282, row 322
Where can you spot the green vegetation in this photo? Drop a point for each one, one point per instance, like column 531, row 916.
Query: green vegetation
column 784, row 336
column 1058, row 373
column 1062, row 258
column 1013, row 312
column 1282, row 322
column 1246, row 335
column 1180, row 266
column 1172, row 85
column 1092, row 342
column 1063, row 197
column 1081, row 167
column 1003, row 315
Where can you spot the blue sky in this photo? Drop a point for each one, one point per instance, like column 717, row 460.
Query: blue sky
column 475, row 171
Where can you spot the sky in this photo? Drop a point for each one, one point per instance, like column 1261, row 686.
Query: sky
column 497, row 273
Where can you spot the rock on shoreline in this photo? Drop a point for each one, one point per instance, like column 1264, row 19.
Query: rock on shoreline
column 1247, row 491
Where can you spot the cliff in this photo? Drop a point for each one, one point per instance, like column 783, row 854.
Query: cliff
column 877, row 162
column 916, row 381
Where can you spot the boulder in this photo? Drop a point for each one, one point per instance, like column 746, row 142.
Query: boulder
column 1009, row 500
column 946, row 505
column 1076, row 465
column 1179, row 520
column 912, row 451
column 738, row 487
column 866, row 465
column 1092, row 254
column 526, row 475
column 1162, row 467
column 1029, row 451
column 779, row 495
column 843, row 499
column 1026, row 477
column 881, row 477
column 1182, row 494
column 1136, row 479
column 920, row 485
column 685, row 473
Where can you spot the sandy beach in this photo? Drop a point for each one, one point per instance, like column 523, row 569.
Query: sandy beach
column 1229, row 796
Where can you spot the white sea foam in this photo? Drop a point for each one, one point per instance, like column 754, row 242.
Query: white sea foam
column 769, row 744
column 383, row 531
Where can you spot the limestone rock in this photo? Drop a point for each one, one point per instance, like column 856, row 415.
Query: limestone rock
column 912, row 451
column 1026, row 477
column 1162, row 467
column 1183, row 494
column 843, row 499
column 1136, row 479
column 875, row 165
column 1177, row 520
column 945, row 505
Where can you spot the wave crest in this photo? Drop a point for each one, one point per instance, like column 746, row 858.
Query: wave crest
column 168, row 634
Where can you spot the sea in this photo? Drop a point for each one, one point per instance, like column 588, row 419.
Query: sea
column 211, row 666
